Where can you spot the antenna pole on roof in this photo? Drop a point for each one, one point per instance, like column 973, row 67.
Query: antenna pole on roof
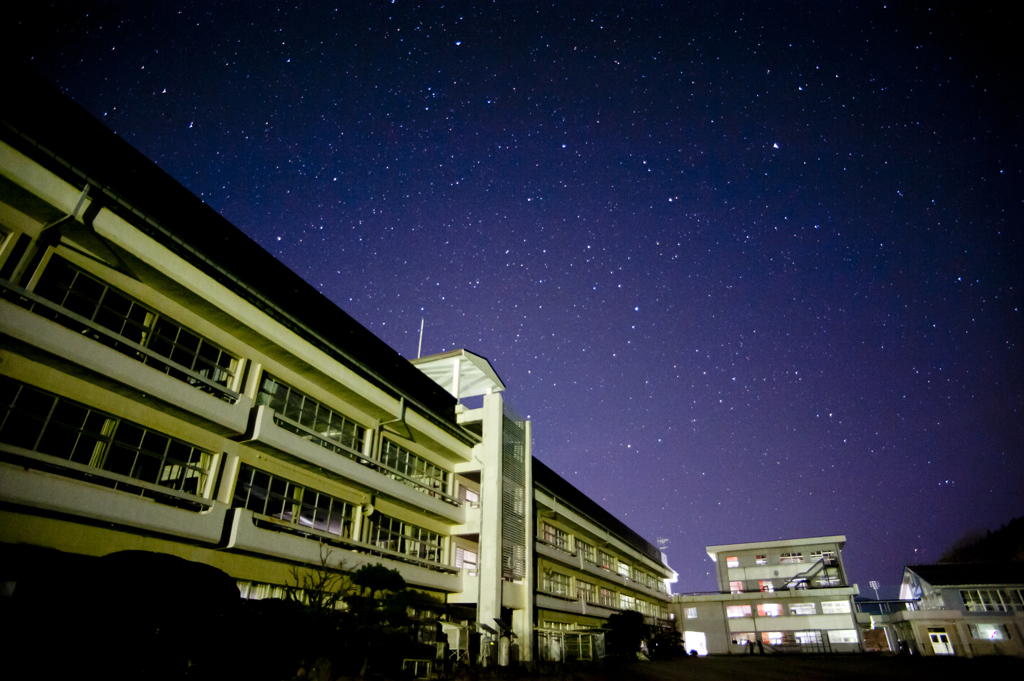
column 419, row 350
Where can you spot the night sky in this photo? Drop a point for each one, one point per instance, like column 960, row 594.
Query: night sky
column 752, row 269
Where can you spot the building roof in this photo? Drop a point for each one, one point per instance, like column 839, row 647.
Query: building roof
column 559, row 487
column 839, row 539
column 461, row 372
column 970, row 574
column 44, row 124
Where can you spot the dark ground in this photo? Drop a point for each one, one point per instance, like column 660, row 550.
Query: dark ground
column 807, row 668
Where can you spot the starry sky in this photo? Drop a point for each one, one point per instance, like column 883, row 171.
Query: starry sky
column 752, row 269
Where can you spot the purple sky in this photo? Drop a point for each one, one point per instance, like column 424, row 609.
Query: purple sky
column 753, row 271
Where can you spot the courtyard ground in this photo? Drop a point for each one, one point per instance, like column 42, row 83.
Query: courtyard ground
column 807, row 668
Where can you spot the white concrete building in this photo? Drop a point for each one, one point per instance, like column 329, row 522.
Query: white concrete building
column 166, row 385
column 778, row 596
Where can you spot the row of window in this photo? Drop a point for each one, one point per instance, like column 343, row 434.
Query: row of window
column 768, row 586
column 569, row 543
column 129, row 320
column 562, row 585
column 776, row 610
column 993, row 600
column 42, row 422
column 778, row 638
column 828, row 557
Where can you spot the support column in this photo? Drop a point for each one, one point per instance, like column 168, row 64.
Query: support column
column 523, row 620
column 489, row 560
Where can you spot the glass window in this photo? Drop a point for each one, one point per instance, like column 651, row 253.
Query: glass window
column 606, row 560
column 766, row 585
column 425, row 474
column 773, row 638
column 691, row 613
column 607, row 597
column 789, row 558
column 843, row 636
column 129, row 320
column 557, row 583
column 769, row 610
column 808, row 637
column 827, row 557
column 990, row 632
column 586, row 550
column 732, row 561
column 586, row 591
column 626, row 602
column 282, row 499
column 624, row 569
column 401, row 537
column 556, row 537
column 319, row 423
column 46, row 423
column 736, row 587
column 742, row 638
column 802, row 609
column 760, row 560
column 835, row 607
column 465, row 558
column 733, row 611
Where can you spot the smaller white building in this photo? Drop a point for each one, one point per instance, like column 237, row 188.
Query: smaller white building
column 779, row 596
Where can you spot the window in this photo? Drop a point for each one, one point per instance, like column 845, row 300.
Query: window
column 769, row 610
column 988, row 600
column 743, row 638
column 843, row 636
column 624, row 569
column 808, row 637
column 586, row 550
column 772, row 638
column 314, row 418
column 802, row 609
column 419, row 471
column 468, row 495
column 828, row 580
column 58, row 427
column 691, row 613
column 394, row 535
column 557, row 583
column 465, row 558
column 606, row 560
column 766, row 585
column 835, row 607
column 273, row 496
column 129, row 320
column 760, row 560
column 556, row 537
column 828, row 557
column 736, row 587
column 732, row 561
column 790, row 558
column 586, row 591
column 606, row 597
column 990, row 632
column 734, row 611
column 626, row 602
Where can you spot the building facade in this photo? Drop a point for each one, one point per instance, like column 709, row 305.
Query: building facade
column 778, row 596
column 166, row 385
column 962, row 609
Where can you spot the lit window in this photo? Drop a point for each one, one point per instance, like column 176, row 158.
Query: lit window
column 556, row 537
column 769, row 610
column 990, row 600
column 586, row 592
column 760, row 560
column 802, row 609
column 828, row 557
column 691, row 613
column 742, row 638
column 835, row 607
column 733, row 611
column 843, row 636
column 607, row 597
column 465, row 559
column 808, row 637
column 626, row 602
column 732, row 561
column 736, row 587
column 772, row 638
column 766, row 585
column 557, row 583
column 606, row 561
column 789, row 558
column 991, row 632
column 624, row 569
column 469, row 496
column 586, row 551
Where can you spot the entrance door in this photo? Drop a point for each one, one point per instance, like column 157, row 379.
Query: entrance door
column 940, row 642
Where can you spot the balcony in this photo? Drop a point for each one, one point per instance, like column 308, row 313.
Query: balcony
column 187, row 394
column 271, row 430
column 573, row 560
column 266, row 536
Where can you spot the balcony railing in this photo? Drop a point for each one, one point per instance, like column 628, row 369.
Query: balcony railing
column 118, row 343
column 309, row 434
